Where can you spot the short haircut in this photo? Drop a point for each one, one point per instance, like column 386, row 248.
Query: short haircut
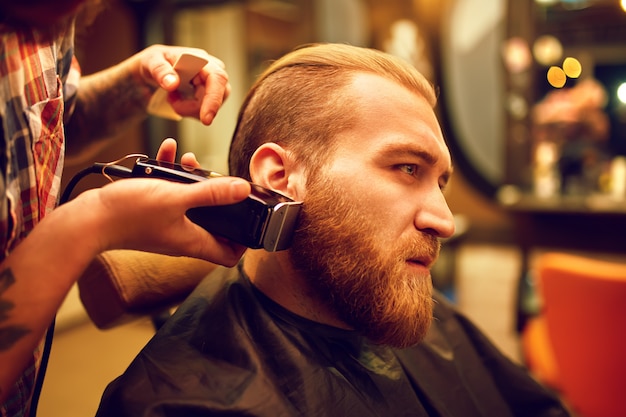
column 299, row 101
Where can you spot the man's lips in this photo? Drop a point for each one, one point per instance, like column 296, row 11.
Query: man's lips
column 424, row 261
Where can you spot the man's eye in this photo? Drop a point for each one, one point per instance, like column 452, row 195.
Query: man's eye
column 410, row 169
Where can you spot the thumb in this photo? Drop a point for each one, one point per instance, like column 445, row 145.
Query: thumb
column 170, row 81
column 218, row 191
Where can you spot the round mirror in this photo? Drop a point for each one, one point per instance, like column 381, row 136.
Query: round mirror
column 472, row 89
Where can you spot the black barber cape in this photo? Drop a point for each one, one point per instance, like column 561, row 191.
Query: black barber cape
column 230, row 351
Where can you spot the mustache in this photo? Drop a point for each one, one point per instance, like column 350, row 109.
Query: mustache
column 423, row 248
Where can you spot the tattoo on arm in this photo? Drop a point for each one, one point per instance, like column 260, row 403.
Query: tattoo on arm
column 107, row 104
column 9, row 334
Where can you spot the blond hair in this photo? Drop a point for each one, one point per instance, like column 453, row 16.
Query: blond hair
column 300, row 103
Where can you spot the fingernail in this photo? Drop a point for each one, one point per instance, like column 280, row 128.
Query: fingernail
column 168, row 80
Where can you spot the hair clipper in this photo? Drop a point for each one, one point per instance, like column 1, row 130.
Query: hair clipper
column 265, row 219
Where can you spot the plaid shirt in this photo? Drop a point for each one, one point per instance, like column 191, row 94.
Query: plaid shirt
column 38, row 82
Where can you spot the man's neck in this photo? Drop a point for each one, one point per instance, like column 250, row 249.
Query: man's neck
column 273, row 274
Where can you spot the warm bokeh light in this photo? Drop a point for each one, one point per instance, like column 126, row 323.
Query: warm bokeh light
column 547, row 50
column 517, row 106
column 572, row 67
column 621, row 93
column 517, row 57
column 556, row 77
column 623, row 3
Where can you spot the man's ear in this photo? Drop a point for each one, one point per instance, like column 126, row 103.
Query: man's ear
column 273, row 167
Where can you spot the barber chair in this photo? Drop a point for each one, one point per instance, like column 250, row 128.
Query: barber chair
column 122, row 285
column 577, row 343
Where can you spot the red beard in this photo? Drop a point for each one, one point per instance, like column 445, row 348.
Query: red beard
column 370, row 288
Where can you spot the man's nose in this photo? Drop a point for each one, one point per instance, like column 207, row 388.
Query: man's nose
column 434, row 216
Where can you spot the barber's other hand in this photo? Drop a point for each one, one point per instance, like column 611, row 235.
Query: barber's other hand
column 211, row 85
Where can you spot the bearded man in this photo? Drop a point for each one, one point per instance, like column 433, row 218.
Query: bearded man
column 344, row 323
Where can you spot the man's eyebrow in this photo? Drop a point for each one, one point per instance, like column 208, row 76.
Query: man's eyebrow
column 400, row 150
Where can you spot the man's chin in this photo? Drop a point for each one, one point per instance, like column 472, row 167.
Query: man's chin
column 397, row 334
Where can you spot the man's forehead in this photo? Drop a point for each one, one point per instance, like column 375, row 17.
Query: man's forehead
column 387, row 114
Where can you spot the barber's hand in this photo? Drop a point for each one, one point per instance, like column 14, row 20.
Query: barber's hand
column 149, row 214
column 167, row 153
column 232, row 190
column 210, row 85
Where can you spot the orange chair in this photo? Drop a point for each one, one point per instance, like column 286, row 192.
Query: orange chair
column 577, row 345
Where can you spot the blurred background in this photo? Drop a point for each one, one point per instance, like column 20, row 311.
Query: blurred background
column 532, row 103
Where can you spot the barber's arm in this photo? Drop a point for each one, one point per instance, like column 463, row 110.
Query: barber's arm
column 141, row 214
column 110, row 101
